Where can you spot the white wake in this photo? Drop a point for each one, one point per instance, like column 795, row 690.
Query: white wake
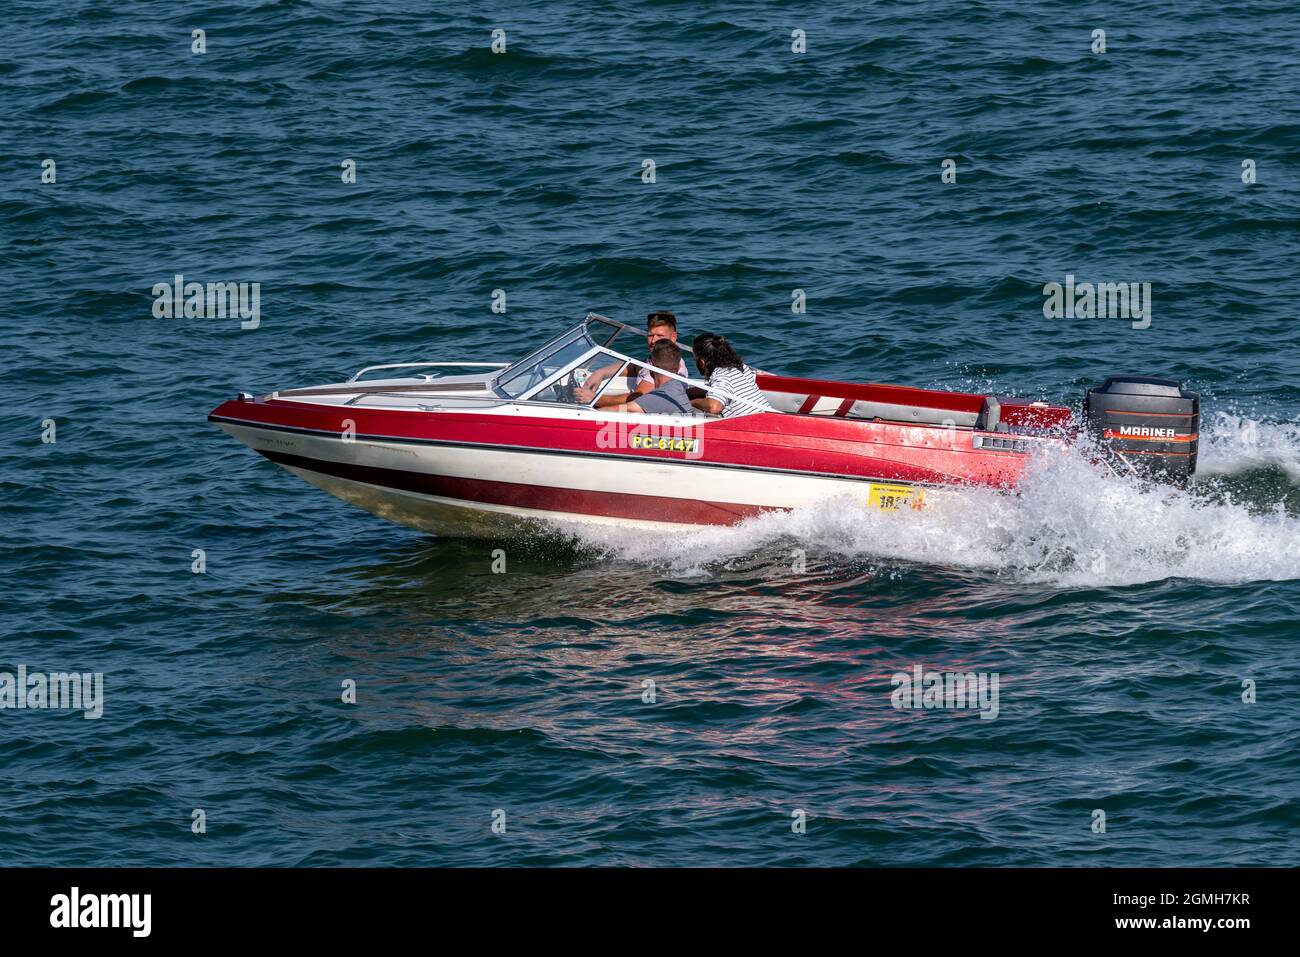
column 1072, row 523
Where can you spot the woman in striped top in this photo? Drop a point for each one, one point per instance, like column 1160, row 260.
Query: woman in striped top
column 725, row 370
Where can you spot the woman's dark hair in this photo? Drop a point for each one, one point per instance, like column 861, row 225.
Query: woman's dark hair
column 715, row 352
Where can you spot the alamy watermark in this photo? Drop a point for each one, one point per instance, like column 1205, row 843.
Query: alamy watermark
column 955, row 690
column 78, row 691
column 216, row 300
column 76, row 909
column 1104, row 300
column 652, row 438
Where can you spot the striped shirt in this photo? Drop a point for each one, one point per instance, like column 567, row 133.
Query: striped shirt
column 739, row 383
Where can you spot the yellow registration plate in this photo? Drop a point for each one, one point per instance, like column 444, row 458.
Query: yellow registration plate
column 890, row 498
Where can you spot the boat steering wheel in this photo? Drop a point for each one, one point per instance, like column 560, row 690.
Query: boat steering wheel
column 574, row 380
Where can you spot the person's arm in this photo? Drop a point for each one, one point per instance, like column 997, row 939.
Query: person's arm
column 588, row 389
column 584, row 392
column 608, row 401
column 705, row 402
column 595, row 380
column 712, row 406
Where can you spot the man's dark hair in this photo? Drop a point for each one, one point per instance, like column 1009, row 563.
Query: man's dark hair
column 665, row 355
column 715, row 352
column 661, row 318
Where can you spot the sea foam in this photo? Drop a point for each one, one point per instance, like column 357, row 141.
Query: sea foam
column 1071, row 523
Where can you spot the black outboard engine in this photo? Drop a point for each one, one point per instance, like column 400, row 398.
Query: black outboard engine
column 1150, row 424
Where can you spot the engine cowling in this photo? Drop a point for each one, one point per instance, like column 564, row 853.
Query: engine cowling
column 1152, row 424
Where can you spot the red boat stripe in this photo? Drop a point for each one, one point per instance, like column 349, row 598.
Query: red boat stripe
column 858, row 460
column 809, row 404
column 843, row 410
column 652, row 508
column 816, row 444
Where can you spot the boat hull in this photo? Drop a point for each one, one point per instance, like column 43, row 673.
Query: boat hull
column 465, row 490
column 481, row 472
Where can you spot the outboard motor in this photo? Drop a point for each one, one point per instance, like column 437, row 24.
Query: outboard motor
column 1150, row 424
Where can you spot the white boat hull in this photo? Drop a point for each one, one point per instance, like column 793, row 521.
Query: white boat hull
column 520, row 478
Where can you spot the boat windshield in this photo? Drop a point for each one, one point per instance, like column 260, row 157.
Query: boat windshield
column 582, row 366
column 556, row 356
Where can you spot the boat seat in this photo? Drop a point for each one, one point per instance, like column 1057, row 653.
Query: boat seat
column 887, row 403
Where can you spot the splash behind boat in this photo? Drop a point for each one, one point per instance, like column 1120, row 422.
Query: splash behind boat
column 473, row 448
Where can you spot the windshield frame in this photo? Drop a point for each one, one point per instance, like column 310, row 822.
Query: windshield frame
column 567, row 369
column 554, row 343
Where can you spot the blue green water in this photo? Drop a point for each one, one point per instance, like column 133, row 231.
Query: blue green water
column 1122, row 622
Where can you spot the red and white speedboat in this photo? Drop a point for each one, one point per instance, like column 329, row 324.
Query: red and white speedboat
column 473, row 448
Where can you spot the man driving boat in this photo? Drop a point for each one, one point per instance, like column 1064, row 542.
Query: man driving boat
column 661, row 326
